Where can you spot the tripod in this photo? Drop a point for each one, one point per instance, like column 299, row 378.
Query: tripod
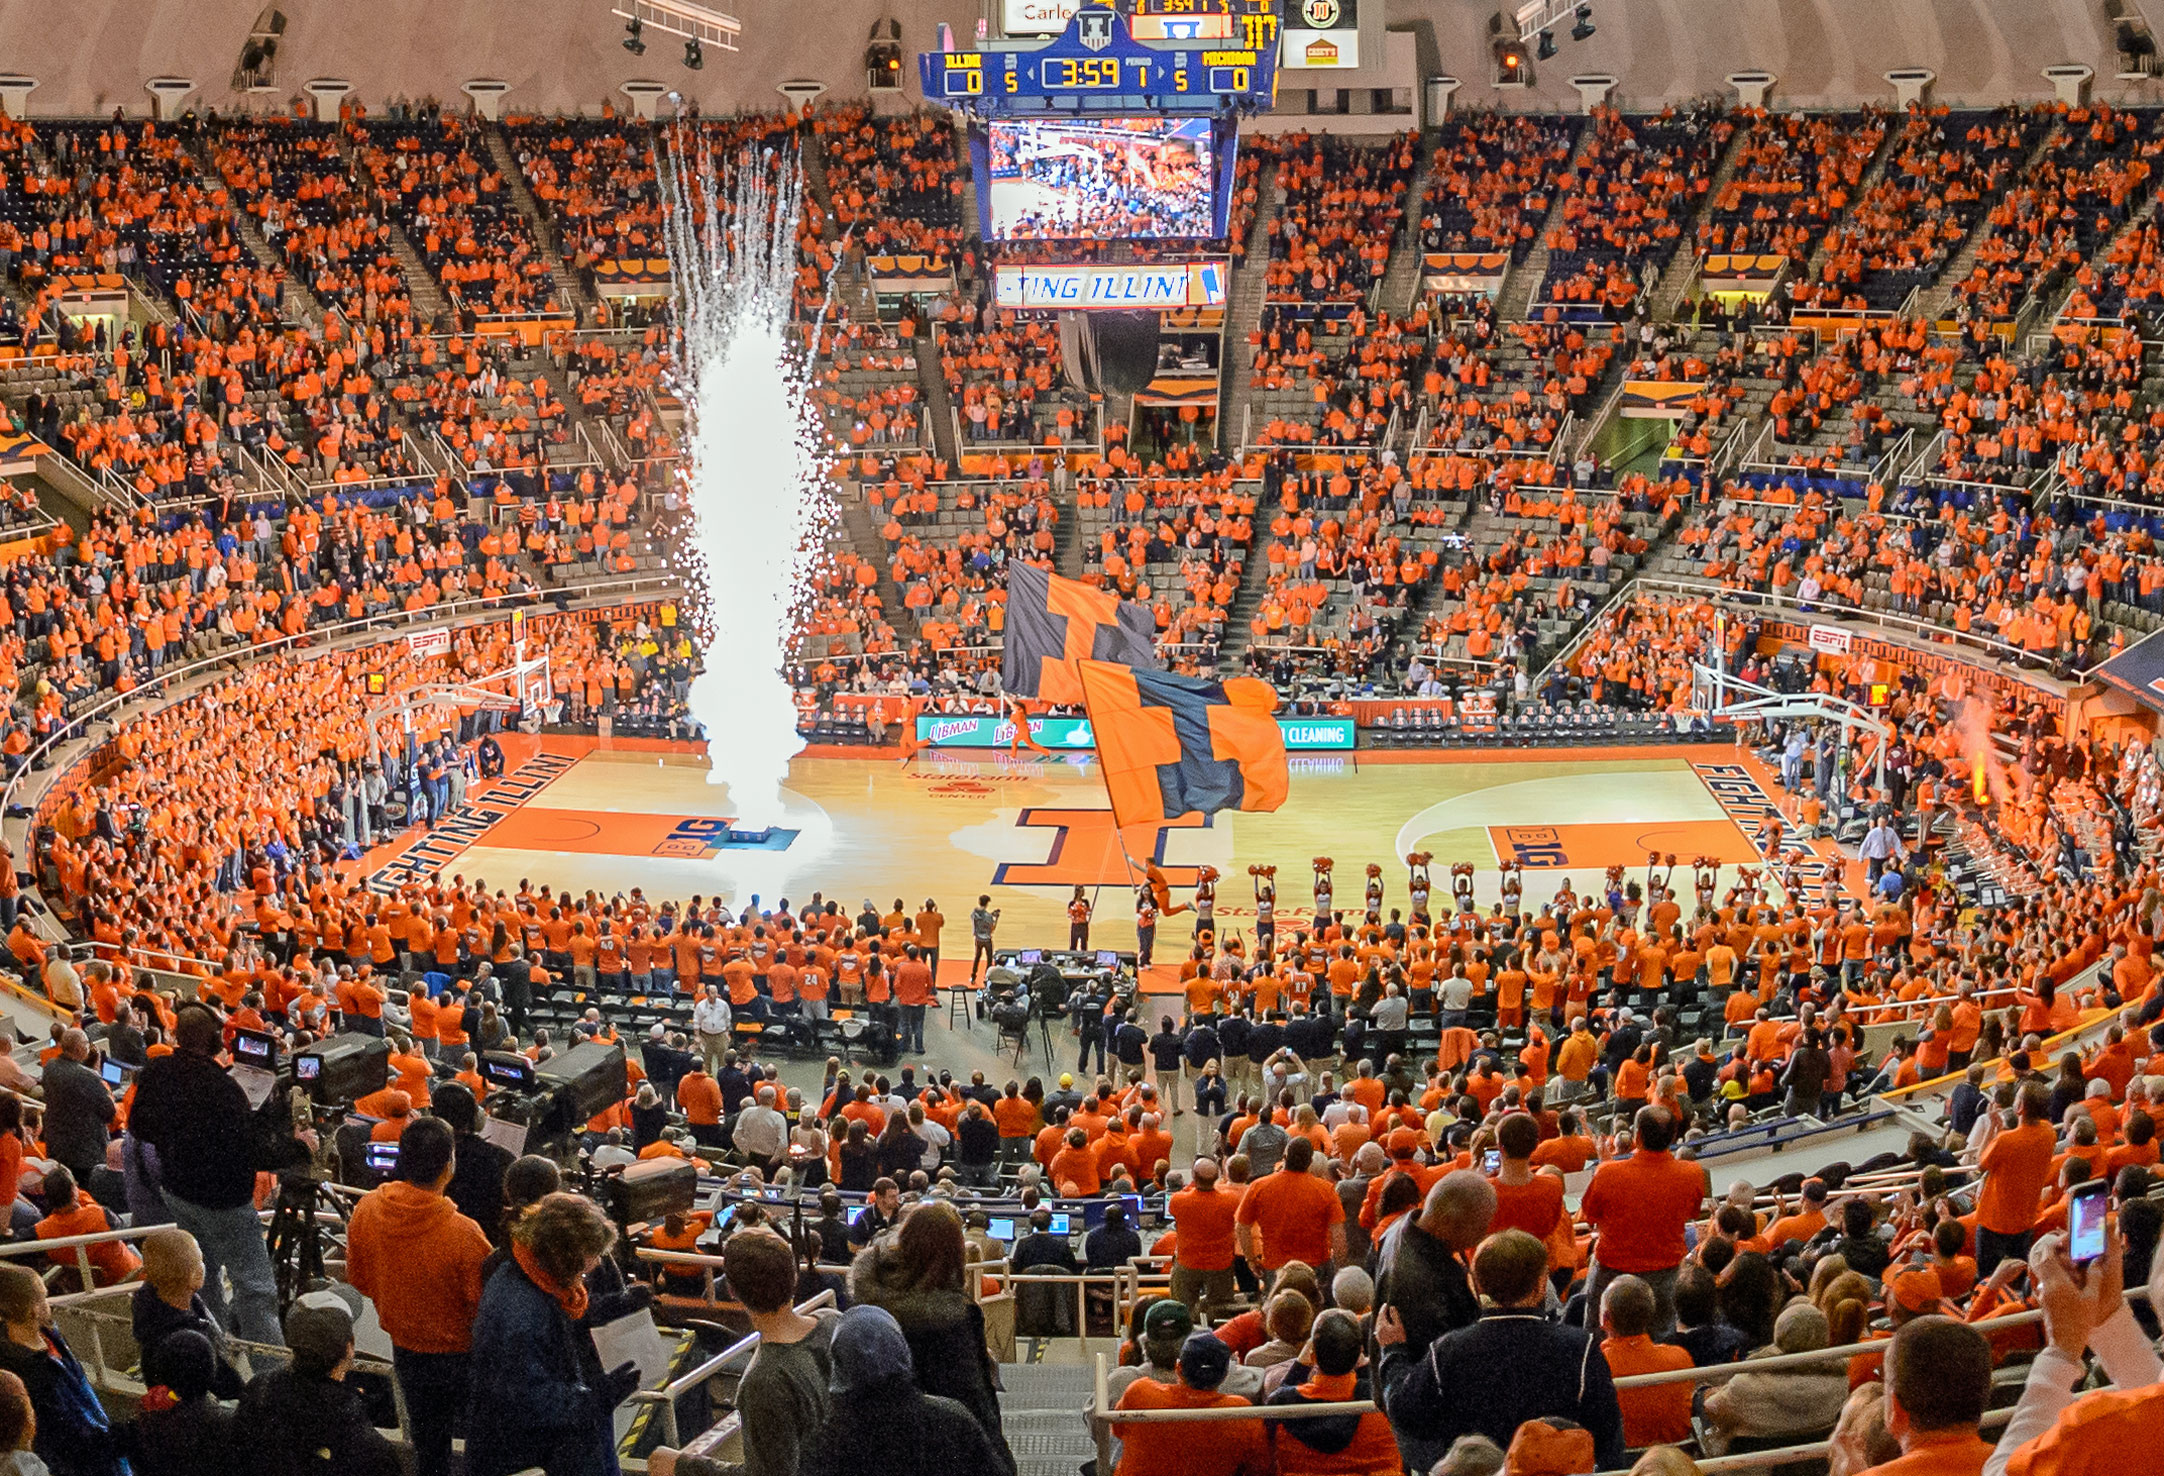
column 296, row 1240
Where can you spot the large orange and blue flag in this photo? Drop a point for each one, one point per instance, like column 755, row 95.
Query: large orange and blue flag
column 1174, row 745
column 1053, row 623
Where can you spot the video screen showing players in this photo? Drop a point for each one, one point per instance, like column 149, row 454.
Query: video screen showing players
column 1100, row 179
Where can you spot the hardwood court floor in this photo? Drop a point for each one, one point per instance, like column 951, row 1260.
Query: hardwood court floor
column 1027, row 829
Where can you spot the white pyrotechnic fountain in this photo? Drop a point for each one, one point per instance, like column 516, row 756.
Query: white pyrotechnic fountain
column 756, row 464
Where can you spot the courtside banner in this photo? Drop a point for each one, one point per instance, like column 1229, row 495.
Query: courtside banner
column 1073, row 735
column 1173, row 285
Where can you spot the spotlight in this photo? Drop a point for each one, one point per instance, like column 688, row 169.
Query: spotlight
column 635, row 36
column 1513, row 59
column 1585, row 27
column 1544, row 48
column 694, row 58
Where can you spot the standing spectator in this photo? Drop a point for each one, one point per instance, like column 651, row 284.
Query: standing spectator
column 198, row 1119
column 982, row 921
column 879, row 1419
column 2017, row 1166
column 302, row 1417
column 1511, row 1366
column 1203, row 1219
column 1422, row 1262
column 1296, row 1216
column 411, row 1252
column 1660, row 1414
column 1638, row 1208
column 79, row 1109
column 783, row 1396
column 1192, row 1448
column 917, row 1276
column 540, row 1395
column 479, row 1166
column 74, row 1435
column 762, row 1133
column 710, row 1021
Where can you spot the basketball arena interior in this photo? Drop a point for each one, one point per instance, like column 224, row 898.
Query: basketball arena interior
column 1081, row 738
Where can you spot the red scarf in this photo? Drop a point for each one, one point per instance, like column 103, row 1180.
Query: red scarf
column 572, row 1298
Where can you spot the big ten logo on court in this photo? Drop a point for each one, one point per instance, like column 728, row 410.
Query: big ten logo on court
column 1088, row 851
column 1535, row 845
column 695, row 839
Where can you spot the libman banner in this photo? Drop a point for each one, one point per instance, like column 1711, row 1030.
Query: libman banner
column 1071, row 734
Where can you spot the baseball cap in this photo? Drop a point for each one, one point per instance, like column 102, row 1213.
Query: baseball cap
column 319, row 1329
column 1204, row 1360
column 1918, row 1290
column 1402, row 1142
column 1168, row 1319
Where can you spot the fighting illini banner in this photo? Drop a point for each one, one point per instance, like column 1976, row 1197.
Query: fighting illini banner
column 1174, row 746
column 1053, row 623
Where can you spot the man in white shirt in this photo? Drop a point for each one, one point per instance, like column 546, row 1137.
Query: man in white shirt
column 710, row 1021
column 762, row 1133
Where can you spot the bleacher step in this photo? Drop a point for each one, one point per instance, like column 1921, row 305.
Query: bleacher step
column 1040, row 1409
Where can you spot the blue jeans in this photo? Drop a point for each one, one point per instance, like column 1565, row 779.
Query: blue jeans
column 913, row 1028
column 232, row 1239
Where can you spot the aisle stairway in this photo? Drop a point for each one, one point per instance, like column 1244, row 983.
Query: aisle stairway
column 568, row 290
column 1243, row 317
column 1040, row 1409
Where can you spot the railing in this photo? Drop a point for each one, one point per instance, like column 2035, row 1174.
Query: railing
column 476, row 610
column 666, row 1396
column 1825, row 609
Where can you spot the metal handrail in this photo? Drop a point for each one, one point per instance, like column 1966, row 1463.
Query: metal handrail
column 667, row 1395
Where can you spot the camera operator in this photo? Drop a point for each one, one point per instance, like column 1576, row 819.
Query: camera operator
column 1088, row 1008
column 210, row 1144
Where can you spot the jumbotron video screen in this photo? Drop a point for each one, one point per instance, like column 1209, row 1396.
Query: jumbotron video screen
column 1104, row 179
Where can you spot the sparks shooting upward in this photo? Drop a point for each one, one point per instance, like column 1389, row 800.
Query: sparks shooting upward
column 755, row 471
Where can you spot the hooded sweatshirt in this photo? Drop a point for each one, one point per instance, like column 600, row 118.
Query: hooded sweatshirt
column 411, row 1252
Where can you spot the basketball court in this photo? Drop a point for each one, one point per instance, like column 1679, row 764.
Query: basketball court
column 1028, row 828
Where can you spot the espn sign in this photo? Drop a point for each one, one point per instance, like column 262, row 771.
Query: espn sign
column 1177, row 285
column 1036, row 17
column 1830, row 639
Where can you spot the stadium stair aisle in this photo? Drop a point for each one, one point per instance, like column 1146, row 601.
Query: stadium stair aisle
column 429, row 304
column 863, row 535
column 1400, row 289
column 1889, row 149
column 938, row 404
column 544, row 228
column 1243, row 319
column 1932, row 304
column 1682, row 271
column 1526, row 276
column 294, row 295
column 1040, row 1411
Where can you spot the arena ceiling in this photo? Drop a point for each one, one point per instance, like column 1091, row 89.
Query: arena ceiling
column 90, row 56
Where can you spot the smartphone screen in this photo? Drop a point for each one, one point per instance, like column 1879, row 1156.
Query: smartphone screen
column 2085, row 1223
column 1491, row 1162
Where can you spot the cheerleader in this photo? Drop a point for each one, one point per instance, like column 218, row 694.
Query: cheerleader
column 1265, row 879
column 1418, row 885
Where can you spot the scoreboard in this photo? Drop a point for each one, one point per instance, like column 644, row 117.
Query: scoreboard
column 1200, row 57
